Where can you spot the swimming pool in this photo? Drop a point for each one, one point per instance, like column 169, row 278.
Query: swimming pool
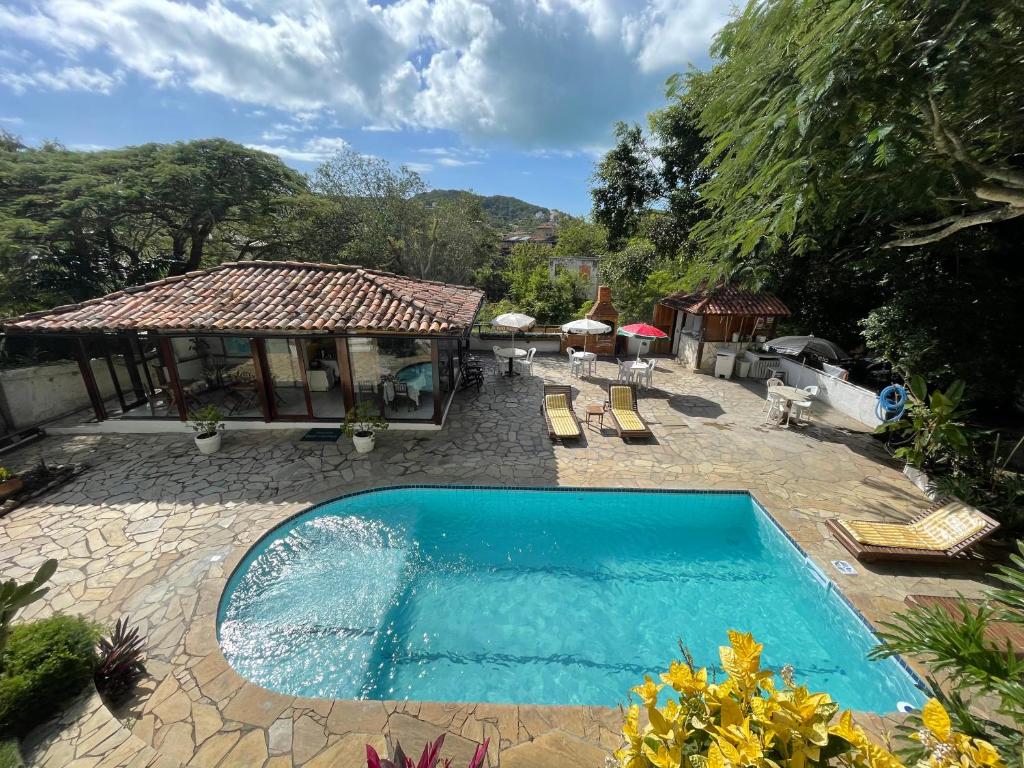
column 542, row 596
column 419, row 374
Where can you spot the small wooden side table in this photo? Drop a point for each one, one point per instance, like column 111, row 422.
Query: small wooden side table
column 595, row 409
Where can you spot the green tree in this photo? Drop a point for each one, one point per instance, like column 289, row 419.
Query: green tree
column 401, row 228
column 192, row 188
column 638, row 278
column 899, row 120
column 74, row 225
column 533, row 291
column 625, row 184
column 579, row 237
column 383, row 203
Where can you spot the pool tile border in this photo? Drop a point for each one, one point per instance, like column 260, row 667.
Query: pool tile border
column 831, row 583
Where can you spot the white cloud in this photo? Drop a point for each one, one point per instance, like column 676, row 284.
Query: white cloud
column 314, row 150
column 455, row 162
column 549, row 73
column 12, row 120
column 419, row 167
column 66, row 79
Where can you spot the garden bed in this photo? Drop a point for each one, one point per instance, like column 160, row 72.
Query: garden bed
column 39, row 480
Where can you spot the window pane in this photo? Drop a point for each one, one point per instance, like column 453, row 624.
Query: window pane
column 324, row 377
column 218, row 371
column 395, row 373
column 285, row 368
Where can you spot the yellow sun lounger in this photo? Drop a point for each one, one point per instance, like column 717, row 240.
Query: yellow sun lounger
column 625, row 414
column 941, row 533
column 558, row 413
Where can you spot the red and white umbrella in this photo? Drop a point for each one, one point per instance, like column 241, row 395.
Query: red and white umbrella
column 642, row 331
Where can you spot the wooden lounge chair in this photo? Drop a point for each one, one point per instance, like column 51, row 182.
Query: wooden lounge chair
column 943, row 532
column 625, row 415
column 558, row 413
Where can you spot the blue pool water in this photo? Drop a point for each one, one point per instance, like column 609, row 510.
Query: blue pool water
column 534, row 596
column 420, row 374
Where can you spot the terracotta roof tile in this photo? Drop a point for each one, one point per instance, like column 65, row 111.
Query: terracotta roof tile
column 727, row 300
column 269, row 297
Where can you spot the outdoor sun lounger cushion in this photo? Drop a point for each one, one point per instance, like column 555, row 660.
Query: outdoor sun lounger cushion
column 561, row 419
column 950, row 527
column 622, row 399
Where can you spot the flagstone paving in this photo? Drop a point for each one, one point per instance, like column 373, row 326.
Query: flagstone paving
column 152, row 530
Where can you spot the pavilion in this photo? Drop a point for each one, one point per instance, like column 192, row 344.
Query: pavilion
column 270, row 341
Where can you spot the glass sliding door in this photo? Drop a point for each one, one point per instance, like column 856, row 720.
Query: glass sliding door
column 217, row 371
column 286, row 369
column 323, row 375
column 395, row 373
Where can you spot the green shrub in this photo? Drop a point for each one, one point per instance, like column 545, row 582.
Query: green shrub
column 45, row 664
column 10, row 755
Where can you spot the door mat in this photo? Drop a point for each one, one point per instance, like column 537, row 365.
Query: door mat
column 321, row 435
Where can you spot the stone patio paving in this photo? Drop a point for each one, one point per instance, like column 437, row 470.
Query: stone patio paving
column 152, row 530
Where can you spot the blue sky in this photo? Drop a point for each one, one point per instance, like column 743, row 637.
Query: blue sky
column 499, row 96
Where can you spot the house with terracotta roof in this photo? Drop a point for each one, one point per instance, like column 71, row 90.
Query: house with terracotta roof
column 270, row 342
column 704, row 322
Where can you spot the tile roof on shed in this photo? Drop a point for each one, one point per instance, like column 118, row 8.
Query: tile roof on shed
column 280, row 297
column 727, row 300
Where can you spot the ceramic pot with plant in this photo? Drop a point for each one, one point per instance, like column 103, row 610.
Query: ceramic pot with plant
column 207, row 423
column 362, row 423
column 9, row 484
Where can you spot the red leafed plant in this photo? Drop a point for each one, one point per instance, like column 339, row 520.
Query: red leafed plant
column 428, row 759
column 120, row 666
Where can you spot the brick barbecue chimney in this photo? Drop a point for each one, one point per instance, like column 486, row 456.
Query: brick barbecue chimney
column 603, row 309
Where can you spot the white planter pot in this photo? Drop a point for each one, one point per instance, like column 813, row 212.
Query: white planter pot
column 921, row 480
column 209, row 444
column 363, row 443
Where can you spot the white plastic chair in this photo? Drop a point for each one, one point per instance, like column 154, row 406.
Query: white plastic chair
column 625, row 373
column 803, row 407
column 527, row 362
column 575, row 366
column 497, row 361
column 771, row 400
column 646, row 376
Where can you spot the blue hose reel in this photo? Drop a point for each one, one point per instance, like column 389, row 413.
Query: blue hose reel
column 891, row 402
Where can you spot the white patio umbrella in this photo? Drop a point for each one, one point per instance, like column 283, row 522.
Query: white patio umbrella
column 514, row 321
column 586, row 327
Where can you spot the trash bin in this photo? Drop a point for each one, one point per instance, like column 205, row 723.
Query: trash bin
column 724, row 362
column 743, row 368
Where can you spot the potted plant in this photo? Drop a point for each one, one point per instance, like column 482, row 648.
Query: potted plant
column 933, row 432
column 9, row 484
column 207, row 423
column 362, row 424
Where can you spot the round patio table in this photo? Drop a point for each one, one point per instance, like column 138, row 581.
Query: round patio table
column 511, row 353
column 789, row 395
column 586, row 358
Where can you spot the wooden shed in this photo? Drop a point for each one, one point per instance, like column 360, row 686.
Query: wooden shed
column 705, row 321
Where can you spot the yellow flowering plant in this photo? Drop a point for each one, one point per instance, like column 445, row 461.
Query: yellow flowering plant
column 748, row 720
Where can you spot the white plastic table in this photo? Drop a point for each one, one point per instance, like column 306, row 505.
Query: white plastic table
column 789, row 395
column 588, row 358
column 511, row 353
column 637, row 369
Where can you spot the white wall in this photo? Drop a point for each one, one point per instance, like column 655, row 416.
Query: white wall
column 547, row 344
column 43, row 392
column 856, row 402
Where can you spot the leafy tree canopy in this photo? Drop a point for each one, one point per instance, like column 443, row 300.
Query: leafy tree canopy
column 901, row 120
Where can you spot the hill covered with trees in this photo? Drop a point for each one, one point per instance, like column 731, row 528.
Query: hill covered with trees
column 503, row 212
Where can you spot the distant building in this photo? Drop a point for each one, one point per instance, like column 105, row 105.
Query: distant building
column 543, row 234
column 584, row 266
